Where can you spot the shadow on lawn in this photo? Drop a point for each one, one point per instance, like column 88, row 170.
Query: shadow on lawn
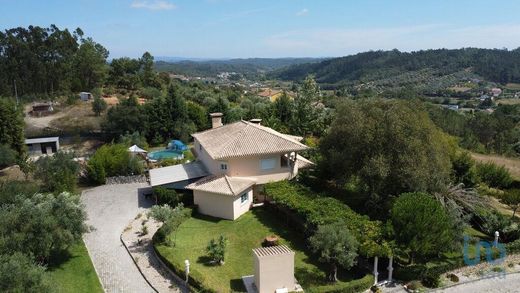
column 237, row 285
column 206, row 261
column 59, row 258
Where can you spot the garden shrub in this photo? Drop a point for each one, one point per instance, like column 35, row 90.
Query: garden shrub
column 431, row 279
column 166, row 196
column 494, row 175
column 112, row 160
column 359, row 285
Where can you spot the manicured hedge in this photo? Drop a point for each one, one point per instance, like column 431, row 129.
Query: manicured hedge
column 314, row 210
column 359, row 285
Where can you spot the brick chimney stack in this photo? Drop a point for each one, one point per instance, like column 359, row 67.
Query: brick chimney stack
column 216, row 119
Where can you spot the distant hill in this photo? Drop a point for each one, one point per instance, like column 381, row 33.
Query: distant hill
column 387, row 68
column 242, row 66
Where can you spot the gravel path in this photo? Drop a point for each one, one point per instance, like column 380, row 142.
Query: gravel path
column 140, row 246
column 110, row 208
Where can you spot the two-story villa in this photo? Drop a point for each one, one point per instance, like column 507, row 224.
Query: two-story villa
column 239, row 158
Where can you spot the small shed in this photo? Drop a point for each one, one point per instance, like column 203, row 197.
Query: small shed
column 85, row 96
column 43, row 145
column 177, row 145
column 274, row 269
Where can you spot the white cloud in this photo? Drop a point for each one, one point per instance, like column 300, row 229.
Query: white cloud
column 302, row 12
column 153, row 5
column 339, row 42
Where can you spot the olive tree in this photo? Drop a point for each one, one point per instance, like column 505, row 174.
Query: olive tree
column 336, row 246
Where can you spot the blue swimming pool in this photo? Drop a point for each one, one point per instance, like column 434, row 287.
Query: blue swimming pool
column 165, row 154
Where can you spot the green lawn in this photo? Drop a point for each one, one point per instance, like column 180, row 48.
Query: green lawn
column 73, row 271
column 243, row 235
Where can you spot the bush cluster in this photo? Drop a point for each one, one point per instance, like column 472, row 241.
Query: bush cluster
column 315, row 210
column 494, row 175
column 112, row 160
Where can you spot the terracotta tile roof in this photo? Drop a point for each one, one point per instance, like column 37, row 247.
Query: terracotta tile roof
column 222, row 184
column 244, row 138
column 303, row 162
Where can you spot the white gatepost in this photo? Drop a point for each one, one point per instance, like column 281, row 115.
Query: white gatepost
column 375, row 270
column 390, row 269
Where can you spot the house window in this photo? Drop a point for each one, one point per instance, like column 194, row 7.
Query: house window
column 200, row 147
column 268, row 164
column 223, row 166
column 244, row 198
column 284, row 161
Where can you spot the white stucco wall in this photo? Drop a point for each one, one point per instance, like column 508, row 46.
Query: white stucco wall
column 250, row 167
column 274, row 272
column 222, row 206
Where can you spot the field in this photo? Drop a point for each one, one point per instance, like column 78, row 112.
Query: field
column 73, row 271
column 68, row 119
column 512, row 164
column 513, row 86
column 243, row 235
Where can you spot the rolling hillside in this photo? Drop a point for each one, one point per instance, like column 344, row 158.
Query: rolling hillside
column 395, row 68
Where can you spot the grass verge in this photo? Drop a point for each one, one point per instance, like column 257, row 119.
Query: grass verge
column 72, row 271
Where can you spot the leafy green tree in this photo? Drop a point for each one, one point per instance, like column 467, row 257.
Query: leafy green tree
column 305, row 112
column 464, row 169
column 41, row 224
column 148, row 76
column 391, row 147
column 124, row 73
column 126, row 117
column 18, row 273
column 336, row 246
column 129, row 139
column 89, row 65
column 98, row 106
column 57, row 173
column 283, row 108
column 216, row 249
column 11, row 125
column 512, row 199
column 198, row 115
column 422, row 226
column 7, row 156
column 9, row 190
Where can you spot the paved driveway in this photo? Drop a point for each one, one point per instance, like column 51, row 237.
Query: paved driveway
column 110, row 209
column 506, row 284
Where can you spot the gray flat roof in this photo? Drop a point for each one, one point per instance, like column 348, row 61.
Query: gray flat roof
column 176, row 173
column 42, row 140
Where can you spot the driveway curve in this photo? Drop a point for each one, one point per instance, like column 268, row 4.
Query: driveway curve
column 110, row 209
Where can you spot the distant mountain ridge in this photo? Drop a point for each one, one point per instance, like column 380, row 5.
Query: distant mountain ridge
column 211, row 67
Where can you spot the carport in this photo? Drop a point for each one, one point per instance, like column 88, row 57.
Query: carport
column 177, row 176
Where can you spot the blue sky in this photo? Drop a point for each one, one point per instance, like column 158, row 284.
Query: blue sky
column 274, row 28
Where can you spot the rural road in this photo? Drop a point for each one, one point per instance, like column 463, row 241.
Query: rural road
column 110, row 209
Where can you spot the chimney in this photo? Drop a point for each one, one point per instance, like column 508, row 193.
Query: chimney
column 216, row 119
column 256, row 121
